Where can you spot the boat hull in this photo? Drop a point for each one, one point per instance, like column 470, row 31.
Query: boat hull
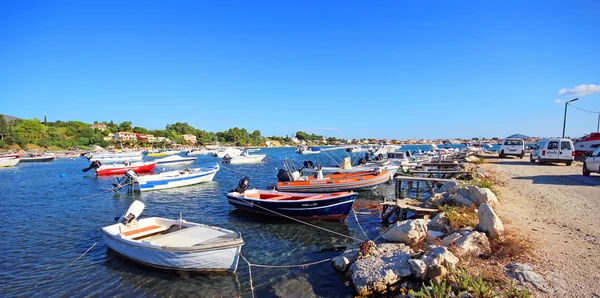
column 110, row 170
column 172, row 161
column 335, row 209
column 37, row 159
column 8, row 162
column 182, row 259
column 238, row 160
column 157, row 184
column 335, row 183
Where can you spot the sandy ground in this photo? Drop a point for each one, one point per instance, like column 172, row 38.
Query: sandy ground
column 559, row 209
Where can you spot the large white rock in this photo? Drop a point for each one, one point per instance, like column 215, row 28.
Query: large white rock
column 460, row 199
column 478, row 195
column 343, row 261
column 439, row 223
column 472, row 158
column 410, row 232
column 472, row 244
column 438, row 260
column 449, row 187
column 450, row 239
column 376, row 273
column 489, row 222
column 433, row 236
column 418, row 268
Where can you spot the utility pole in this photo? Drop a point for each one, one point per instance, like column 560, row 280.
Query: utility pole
column 565, row 118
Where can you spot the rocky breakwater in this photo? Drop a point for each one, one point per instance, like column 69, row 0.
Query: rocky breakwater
column 418, row 250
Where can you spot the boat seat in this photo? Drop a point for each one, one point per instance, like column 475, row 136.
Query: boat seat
column 143, row 231
column 283, row 197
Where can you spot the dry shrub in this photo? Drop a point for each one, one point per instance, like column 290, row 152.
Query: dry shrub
column 511, row 247
column 460, row 216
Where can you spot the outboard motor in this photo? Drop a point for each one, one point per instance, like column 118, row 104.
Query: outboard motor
column 408, row 153
column 242, row 185
column 226, row 158
column 284, row 176
column 362, row 161
column 94, row 165
column 309, row 164
column 129, row 179
column 134, row 210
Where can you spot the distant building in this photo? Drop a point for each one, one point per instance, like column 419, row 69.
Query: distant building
column 100, row 127
column 163, row 140
column 109, row 137
column 125, row 136
column 189, row 139
column 145, row 138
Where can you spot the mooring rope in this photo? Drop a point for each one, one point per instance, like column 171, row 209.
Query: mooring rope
column 358, row 223
column 276, row 266
column 238, row 172
column 80, row 256
column 302, row 222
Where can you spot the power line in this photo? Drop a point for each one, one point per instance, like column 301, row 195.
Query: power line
column 588, row 111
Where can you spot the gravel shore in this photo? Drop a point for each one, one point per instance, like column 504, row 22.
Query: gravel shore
column 559, row 209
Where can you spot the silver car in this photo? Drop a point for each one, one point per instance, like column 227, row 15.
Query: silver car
column 592, row 163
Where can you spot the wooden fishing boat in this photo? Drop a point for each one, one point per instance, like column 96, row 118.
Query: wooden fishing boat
column 328, row 206
column 164, row 180
column 175, row 160
column 173, row 244
column 291, row 181
column 116, row 169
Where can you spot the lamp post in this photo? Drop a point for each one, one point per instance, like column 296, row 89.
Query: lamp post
column 565, row 118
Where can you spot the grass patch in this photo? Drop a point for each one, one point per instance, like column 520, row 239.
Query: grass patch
column 460, row 281
column 479, row 161
column 460, row 216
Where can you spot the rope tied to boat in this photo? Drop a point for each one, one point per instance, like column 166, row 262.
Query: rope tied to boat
column 358, row 223
column 305, row 265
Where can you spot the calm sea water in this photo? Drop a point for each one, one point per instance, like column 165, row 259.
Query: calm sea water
column 46, row 225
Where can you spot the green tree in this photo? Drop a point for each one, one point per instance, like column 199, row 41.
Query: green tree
column 125, row 126
column 30, row 131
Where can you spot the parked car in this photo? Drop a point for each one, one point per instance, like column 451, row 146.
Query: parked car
column 512, row 146
column 592, row 163
column 553, row 150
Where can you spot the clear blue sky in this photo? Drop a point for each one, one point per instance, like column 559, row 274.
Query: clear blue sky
column 350, row 69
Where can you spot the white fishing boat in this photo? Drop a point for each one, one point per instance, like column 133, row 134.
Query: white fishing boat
column 165, row 180
column 227, row 151
column 173, row 244
column 197, row 152
column 43, row 157
column 175, row 160
column 347, row 168
column 8, row 162
column 108, row 157
column 308, row 150
column 383, row 150
column 244, row 158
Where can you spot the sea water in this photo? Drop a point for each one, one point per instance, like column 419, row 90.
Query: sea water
column 51, row 213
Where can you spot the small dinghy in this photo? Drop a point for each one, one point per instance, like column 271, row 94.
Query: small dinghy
column 117, row 169
column 173, row 244
column 291, row 181
column 175, row 160
column 328, row 206
column 164, row 180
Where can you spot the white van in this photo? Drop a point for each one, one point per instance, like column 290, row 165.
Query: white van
column 553, row 150
column 512, row 146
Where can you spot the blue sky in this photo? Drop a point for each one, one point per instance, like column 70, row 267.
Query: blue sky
column 350, row 69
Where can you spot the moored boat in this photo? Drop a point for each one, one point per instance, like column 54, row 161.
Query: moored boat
column 291, row 181
column 46, row 157
column 197, row 152
column 587, row 144
column 157, row 154
column 172, row 152
column 173, row 244
column 8, row 162
column 244, row 158
column 170, row 179
column 116, row 169
column 327, row 206
column 107, row 157
column 174, row 160
column 307, row 150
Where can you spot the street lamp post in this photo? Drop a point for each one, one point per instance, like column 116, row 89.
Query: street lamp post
column 565, row 118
